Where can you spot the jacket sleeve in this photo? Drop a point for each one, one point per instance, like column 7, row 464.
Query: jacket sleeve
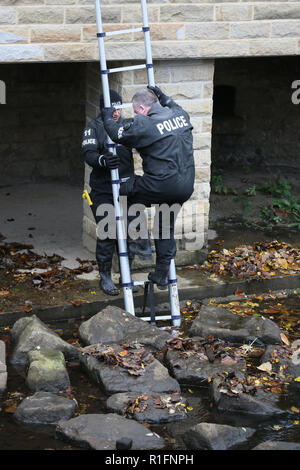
column 130, row 133
column 92, row 146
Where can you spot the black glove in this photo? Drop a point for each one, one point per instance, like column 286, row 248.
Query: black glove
column 107, row 113
column 109, row 160
column 162, row 98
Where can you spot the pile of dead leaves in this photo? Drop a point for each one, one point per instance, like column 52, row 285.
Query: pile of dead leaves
column 139, row 404
column 210, row 349
column 44, row 271
column 233, row 385
column 260, row 261
column 133, row 357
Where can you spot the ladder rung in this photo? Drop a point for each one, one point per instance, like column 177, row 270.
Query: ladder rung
column 123, row 31
column 123, row 69
column 157, row 318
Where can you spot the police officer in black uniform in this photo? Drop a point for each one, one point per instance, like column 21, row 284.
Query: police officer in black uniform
column 97, row 155
column 162, row 133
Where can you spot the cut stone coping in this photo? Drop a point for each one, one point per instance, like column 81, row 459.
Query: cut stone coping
column 203, row 291
column 101, row 431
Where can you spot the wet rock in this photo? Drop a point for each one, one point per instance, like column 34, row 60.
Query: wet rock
column 190, row 370
column 115, row 379
column 45, row 408
column 277, row 445
column 3, row 370
column 262, row 404
column 284, row 360
column 152, row 408
column 30, row 333
column 210, row 436
column 221, row 323
column 102, row 431
column 47, row 371
column 114, row 325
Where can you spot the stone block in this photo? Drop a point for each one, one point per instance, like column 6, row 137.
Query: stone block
column 13, row 34
column 220, row 48
column 202, row 174
column 8, row 15
column 40, row 15
column 275, row 47
column 186, row 13
column 196, row 107
column 166, row 50
column 192, row 71
column 163, row 32
column 281, row 29
column 69, row 52
column 275, row 11
column 133, row 13
column 252, row 29
column 21, row 53
column 55, row 33
column 86, row 14
column 206, row 30
column 184, row 90
column 232, row 12
column 208, row 89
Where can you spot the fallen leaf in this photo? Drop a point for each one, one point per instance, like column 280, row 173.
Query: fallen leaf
column 284, row 339
column 265, row 367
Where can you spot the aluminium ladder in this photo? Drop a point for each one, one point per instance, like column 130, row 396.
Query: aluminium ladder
column 122, row 244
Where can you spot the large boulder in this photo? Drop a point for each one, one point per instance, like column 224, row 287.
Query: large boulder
column 277, row 445
column 221, row 323
column 47, row 371
column 115, row 378
column 114, row 325
column 262, row 404
column 29, row 333
column 101, row 431
column 191, row 370
column 45, row 408
column 152, row 408
column 211, row 436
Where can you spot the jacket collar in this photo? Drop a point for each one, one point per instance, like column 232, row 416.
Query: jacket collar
column 156, row 108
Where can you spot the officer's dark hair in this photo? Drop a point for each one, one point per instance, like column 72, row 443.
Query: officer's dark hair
column 145, row 97
column 115, row 99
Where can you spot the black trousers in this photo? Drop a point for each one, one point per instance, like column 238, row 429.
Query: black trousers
column 144, row 190
column 105, row 248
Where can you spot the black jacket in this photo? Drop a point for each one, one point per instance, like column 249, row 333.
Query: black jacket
column 94, row 144
column 164, row 140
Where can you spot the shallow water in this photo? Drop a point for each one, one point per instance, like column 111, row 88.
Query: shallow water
column 14, row 436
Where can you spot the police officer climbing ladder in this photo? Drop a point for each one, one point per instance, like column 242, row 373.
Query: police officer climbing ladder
column 165, row 126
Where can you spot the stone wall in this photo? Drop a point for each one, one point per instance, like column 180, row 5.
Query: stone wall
column 65, row 30
column 190, row 83
column 41, row 123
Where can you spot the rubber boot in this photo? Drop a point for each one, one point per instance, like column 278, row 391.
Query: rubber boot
column 141, row 247
column 160, row 276
column 106, row 284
